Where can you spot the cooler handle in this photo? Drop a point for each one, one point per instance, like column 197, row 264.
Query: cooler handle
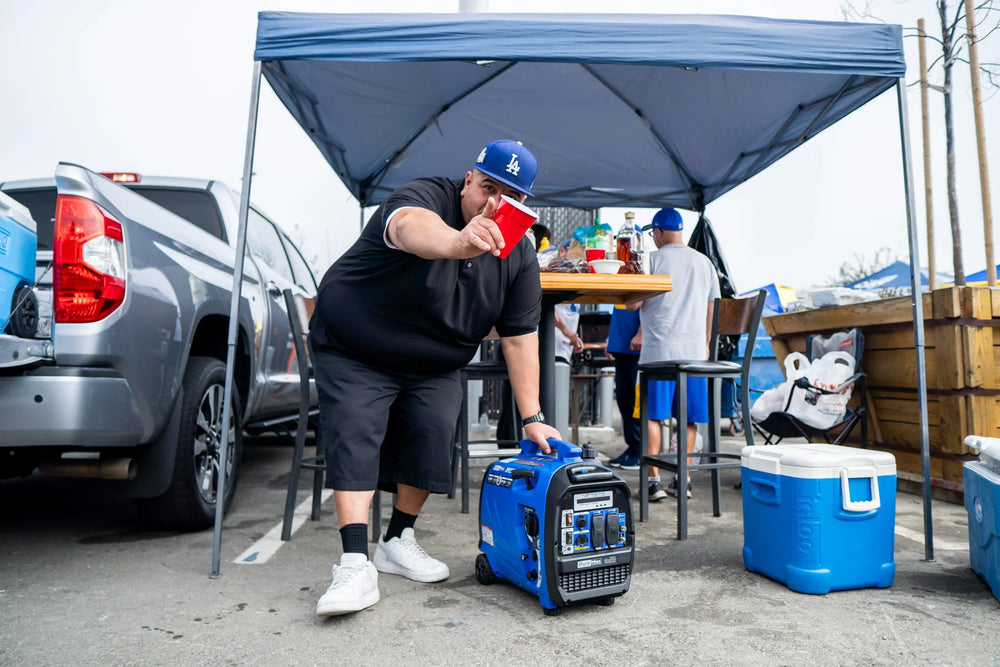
column 565, row 451
column 845, row 489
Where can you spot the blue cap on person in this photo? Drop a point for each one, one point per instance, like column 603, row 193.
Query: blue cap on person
column 667, row 219
column 510, row 163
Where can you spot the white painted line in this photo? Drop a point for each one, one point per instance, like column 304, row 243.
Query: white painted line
column 268, row 545
column 944, row 545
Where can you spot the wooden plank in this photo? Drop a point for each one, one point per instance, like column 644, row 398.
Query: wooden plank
column 949, row 369
column 897, row 339
column 977, row 303
column 951, row 471
column 897, row 368
column 907, row 409
column 902, row 434
column 874, row 427
column 978, row 357
column 953, row 427
column 911, row 461
column 946, row 303
column 983, row 417
column 872, row 313
column 995, row 301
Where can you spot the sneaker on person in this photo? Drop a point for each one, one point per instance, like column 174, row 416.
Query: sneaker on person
column 402, row 555
column 672, row 489
column 617, row 461
column 630, row 463
column 354, row 587
column 656, row 492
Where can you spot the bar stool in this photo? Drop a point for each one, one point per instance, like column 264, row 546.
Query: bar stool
column 480, row 370
column 317, row 462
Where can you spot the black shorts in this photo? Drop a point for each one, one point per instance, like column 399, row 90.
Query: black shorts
column 380, row 429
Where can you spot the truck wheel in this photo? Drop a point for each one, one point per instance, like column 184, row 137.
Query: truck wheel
column 484, row 573
column 191, row 499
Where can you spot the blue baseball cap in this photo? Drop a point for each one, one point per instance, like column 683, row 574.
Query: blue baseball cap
column 510, row 163
column 667, row 219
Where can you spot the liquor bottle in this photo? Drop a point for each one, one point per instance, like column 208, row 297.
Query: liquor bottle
column 628, row 243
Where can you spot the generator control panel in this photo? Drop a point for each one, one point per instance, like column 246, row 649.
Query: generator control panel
column 592, row 523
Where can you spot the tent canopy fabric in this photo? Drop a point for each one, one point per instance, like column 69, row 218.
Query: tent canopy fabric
column 620, row 110
column 896, row 276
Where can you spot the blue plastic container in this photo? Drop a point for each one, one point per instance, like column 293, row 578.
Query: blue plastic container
column 819, row 517
column 982, row 502
column 18, row 246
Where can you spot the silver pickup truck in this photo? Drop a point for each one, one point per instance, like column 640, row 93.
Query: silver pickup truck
column 123, row 377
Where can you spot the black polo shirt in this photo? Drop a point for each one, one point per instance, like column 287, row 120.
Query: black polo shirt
column 399, row 312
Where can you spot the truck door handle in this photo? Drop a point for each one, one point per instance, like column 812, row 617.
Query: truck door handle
column 273, row 289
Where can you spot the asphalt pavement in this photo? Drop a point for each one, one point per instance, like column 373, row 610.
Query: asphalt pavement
column 83, row 581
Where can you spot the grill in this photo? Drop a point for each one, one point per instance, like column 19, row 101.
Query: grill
column 596, row 578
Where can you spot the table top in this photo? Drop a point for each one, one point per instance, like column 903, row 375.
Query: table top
column 604, row 287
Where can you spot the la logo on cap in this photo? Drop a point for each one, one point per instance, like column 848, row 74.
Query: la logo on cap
column 482, row 156
column 513, row 167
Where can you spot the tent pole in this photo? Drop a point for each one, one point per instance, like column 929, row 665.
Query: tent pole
column 234, row 310
column 918, row 318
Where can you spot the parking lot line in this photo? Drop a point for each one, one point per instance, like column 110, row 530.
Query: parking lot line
column 916, row 536
column 268, row 545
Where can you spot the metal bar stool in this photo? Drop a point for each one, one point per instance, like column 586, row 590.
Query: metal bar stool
column 316, row 463
column 480, row 370
column 730, row 317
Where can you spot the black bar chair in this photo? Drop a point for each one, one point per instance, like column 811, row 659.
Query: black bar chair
column 731, row 317
column 484, row 370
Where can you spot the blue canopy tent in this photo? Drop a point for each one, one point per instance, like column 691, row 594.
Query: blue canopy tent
column 621, row 110
column 897, row 275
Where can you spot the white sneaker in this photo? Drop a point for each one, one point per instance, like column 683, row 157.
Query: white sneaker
column 402, row 555
column 354, row 587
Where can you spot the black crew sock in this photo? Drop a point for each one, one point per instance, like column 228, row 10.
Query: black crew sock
column 354, row 537
column 397, row 522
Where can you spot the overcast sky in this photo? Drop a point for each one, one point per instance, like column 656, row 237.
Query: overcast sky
column 164, row 88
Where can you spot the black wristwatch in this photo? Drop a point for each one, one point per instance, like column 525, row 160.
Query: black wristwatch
column 538, row 417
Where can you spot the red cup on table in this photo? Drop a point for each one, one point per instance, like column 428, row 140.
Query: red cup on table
column 514, row 219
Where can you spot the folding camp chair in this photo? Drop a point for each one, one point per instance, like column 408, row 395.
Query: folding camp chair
column 779, row 425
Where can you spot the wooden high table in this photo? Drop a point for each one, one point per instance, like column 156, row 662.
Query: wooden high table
column 583, row 288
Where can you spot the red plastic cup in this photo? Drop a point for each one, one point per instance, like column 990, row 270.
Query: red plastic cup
column 514, row 219
column 595, row 253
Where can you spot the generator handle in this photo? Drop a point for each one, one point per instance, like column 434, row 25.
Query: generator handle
column 565, row 451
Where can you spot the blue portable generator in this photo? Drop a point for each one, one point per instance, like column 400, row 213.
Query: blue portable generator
column 560, row 527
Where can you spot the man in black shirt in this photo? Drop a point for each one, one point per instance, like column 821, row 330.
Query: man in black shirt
column 397, row 317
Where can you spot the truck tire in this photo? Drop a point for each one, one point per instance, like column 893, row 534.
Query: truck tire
column 189, row 502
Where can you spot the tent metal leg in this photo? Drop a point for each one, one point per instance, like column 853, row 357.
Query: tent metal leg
column 241, row 242
column 918, row 318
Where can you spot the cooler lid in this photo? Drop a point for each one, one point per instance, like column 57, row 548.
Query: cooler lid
column 14, row 210
column 815, row 460
column 989, row 450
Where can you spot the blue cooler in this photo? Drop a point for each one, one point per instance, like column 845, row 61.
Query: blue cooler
column 18, row 245
column 819, row 517
column 982, row 502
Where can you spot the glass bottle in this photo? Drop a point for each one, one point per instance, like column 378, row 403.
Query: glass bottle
column 628, row 243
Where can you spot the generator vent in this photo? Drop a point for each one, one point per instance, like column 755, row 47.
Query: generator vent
column 599, row 577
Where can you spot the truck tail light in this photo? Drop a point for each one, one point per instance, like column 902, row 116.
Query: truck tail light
column 88, row 261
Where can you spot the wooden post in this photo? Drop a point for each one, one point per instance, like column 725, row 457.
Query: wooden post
column 977, row 109
column 928, row 190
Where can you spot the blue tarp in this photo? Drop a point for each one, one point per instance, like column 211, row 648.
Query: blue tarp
column 637, row 110
column 897, row 276
column 979, row 276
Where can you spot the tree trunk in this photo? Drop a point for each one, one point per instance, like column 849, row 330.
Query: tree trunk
column 956, row 232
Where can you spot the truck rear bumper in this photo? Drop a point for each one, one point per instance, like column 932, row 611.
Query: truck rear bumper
column 81, row 407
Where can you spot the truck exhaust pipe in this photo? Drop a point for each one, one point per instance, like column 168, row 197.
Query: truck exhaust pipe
column 115, row 469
